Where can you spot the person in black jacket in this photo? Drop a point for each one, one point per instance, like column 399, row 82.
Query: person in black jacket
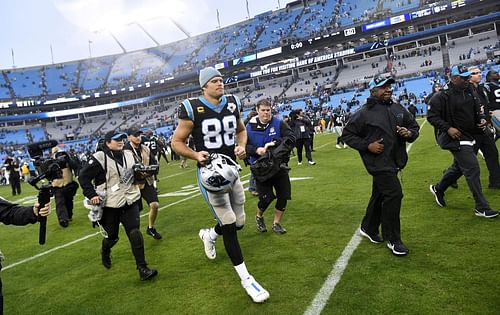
column 64, row 188
column 12, row 166
column 17, row 215
column 379, row 131
column 485, row 141
column 456, row 114
column 270, row 135
column 301, row 125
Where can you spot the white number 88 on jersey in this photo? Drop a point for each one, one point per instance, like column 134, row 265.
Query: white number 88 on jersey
column 217, row 133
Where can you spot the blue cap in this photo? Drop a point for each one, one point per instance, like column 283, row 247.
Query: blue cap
column 115, row 135
column 379, row 81
column 459, row 70
column 208, row 74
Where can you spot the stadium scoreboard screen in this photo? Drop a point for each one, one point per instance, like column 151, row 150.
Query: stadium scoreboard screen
column 324, row 40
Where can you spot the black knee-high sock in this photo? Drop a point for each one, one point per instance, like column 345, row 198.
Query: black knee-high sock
column 231, row 243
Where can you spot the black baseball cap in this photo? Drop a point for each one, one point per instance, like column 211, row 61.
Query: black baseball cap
column 379, row 81
column 134, row 131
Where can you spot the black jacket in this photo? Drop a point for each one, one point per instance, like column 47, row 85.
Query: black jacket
column 301, row 127
column 17, row 215
column 455, row 107
column 377, row 120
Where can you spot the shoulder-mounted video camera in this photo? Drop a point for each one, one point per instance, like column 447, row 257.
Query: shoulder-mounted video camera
column 49, row 168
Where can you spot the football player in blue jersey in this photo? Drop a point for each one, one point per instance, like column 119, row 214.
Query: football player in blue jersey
column 214, row 121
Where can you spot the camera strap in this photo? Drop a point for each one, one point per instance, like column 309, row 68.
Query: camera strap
column 137, row 156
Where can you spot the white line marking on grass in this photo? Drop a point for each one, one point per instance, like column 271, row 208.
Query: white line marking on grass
column 83, row 238
column 326, row 290
column 323, row 295
column 48, row 251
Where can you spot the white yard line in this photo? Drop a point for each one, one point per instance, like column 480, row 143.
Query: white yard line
column 84, row 238
column 323, row 295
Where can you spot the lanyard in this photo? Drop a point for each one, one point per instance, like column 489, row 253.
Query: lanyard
column 124, row 163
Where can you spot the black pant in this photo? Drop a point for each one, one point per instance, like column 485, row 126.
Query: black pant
column 64, row 203
column 384, row 207
column 128, row 216
column 465, row 163
column 303, row 143
column 15, row 183
column 486, row 144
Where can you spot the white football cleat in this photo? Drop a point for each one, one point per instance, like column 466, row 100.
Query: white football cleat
column 255, row 290
column 208, row 243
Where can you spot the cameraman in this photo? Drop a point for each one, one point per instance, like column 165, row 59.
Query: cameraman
column 12, row 166
column 111, row 171
column 144, row 156
column 17, row 215
column 64, row 188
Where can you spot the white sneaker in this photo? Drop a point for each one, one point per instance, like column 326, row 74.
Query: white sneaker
column 208, row 243
column 255, row 290
column 338, row 146
column 299, row 163
column 345, row 146
column 312, row 162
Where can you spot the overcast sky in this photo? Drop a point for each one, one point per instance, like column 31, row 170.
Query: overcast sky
column 31, row 27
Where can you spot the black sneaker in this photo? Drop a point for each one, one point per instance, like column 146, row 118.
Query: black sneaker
column 106, row 259
column 154, row 233
column 277, row 228
column 439, row 195
column 486, row 213
column 145, row 273
column 64, row 223
column 373, row 238
column 261, row 226
column 398, row 248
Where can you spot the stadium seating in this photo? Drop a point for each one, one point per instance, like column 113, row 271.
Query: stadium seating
column 400, row 5
column 315, row 19
column 26, row 82
column 61, row 78
column 4, row 88
column 277, row 25
column 94, row 72
column 352, row 11
column 471, row 48
column 416, row 61
column 360, row 71
column 267, row 30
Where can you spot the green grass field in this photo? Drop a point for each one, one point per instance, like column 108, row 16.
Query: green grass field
column 451, row 268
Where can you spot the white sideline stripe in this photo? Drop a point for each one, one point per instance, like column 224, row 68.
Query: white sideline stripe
column 48, row 251
column 83, row 238
column 326, row 290
column 323, row 295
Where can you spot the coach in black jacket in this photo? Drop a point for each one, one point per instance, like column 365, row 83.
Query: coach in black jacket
column 13, row 214
column 457, row 112
column 379, row 131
